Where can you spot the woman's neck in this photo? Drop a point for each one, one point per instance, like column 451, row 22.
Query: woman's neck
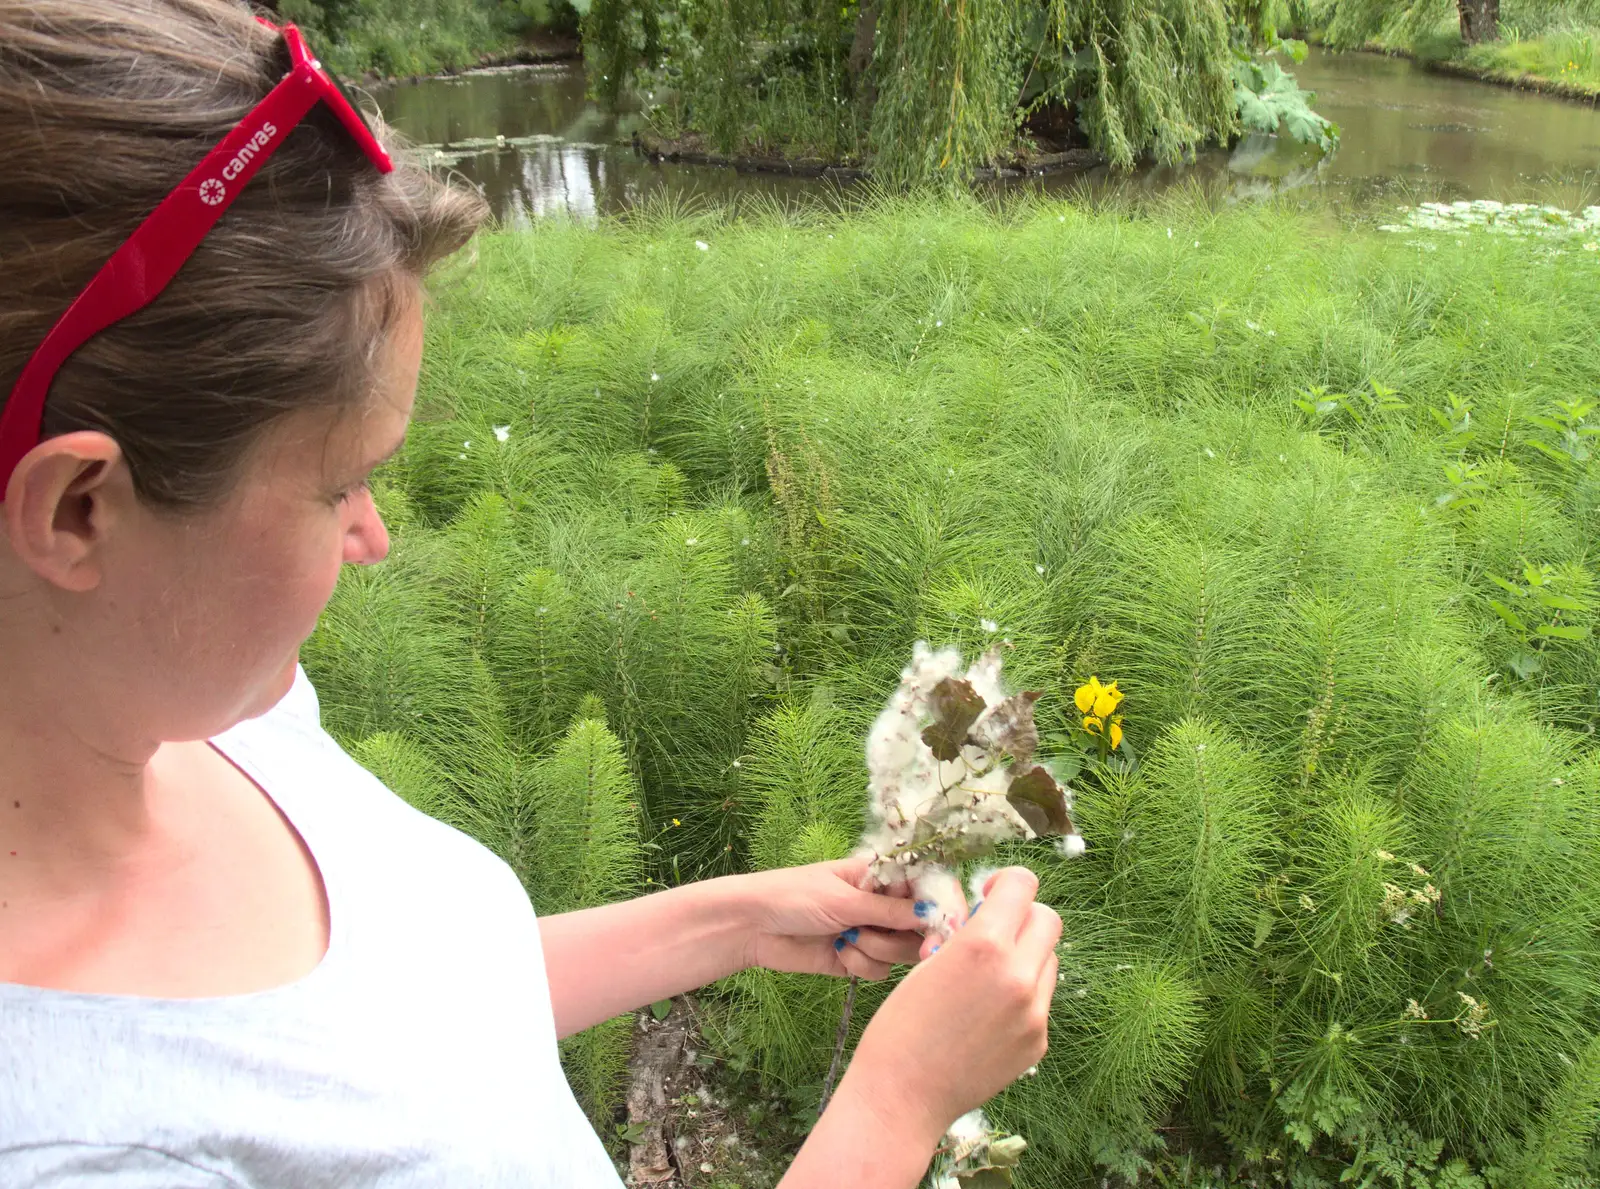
column 74, row 797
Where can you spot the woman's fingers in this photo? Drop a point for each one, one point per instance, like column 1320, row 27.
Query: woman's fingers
column 895, row 948
column 1007, row 901
column 1040, row 932
column 859, row 964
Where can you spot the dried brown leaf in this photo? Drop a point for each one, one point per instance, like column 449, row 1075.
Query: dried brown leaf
column 956, row 706
column 1040, row 800
column 1010, row 728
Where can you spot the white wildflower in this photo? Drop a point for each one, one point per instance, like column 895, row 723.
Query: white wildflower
column 1396, row 904
column 1038, row 570
column 692, row 541
column 502, row 433
column 654, row 377
column 988, row 625
column 1384, row 855
column 1307, row 903
column 1473, row 1018
column 1071, row 845
column 1414, row 1011
column 702, row 245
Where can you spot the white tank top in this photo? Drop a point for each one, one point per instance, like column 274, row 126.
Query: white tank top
column 420, row 1052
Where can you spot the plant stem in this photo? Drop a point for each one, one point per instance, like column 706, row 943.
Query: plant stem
column 838, row 1044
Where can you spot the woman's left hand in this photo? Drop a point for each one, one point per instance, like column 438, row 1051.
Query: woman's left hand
column 817, row 920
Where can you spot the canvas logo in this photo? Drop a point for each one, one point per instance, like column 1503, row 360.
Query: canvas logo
column 249, row 152
column 212, row 191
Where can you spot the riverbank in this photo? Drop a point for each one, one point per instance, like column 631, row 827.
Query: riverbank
column 542, row 48
column 1500, row 65
column 691, row 149
column 408, row 39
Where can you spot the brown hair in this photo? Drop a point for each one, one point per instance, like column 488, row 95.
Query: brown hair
column 105, row 105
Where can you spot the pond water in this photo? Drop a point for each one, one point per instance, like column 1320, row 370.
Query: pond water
column 537, row 146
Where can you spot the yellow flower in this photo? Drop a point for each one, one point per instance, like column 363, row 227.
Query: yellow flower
column 676, row 822
column 1116, row 732
column 1107, row 700
column 1092, row 724
column 1088, row 694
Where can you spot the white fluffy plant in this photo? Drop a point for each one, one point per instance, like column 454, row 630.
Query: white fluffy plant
column 952, row 776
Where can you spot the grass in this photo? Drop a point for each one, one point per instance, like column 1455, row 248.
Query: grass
column 699, row 477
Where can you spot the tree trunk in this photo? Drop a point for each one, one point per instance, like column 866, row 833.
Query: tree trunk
column 1480, row 20
column 860, row 61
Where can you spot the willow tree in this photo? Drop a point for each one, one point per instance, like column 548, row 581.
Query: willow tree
column 929, row 89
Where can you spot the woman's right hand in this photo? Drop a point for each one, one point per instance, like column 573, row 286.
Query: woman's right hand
column 972, row 1018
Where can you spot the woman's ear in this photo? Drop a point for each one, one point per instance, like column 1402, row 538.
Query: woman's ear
column 65, row 498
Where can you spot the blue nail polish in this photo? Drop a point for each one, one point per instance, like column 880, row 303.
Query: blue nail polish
column 974, row 911
column 851, row 935
column 838, row 944
column 923, row 908
column 934, row 950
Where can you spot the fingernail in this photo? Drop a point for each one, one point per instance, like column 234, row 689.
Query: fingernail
column 923, row 907
column 838, row 944
column 851, row 935
column 974, row 911
column 933, row 951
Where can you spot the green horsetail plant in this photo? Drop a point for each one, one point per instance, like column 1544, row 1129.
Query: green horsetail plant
column 1201, row 833
column 537, row 655
column 803, row 775
column 587, row 852
column 1554, row 1148
column 586, row 821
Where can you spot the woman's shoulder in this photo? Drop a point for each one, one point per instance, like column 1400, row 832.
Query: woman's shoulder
column 348, row 817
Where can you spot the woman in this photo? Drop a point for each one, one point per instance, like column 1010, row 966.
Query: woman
column 228, row 956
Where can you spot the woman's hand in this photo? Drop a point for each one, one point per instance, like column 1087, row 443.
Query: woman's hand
column 955, row 1032
column 817, row 920
column 961, row 1028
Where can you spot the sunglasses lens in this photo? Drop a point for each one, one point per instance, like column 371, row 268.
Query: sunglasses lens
column 349, row 99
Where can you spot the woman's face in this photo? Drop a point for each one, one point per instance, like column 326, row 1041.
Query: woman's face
column 197, row 623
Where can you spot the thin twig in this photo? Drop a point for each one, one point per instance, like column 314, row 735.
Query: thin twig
column 838, row 1044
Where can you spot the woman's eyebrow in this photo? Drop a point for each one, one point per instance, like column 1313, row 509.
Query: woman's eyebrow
column 393, row 450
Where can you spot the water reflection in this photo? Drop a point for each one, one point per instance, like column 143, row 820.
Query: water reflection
column 537, row 146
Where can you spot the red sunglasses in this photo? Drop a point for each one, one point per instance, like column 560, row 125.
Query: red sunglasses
column 146, row 263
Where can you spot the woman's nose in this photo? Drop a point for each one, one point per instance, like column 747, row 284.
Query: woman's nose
column 366, row 540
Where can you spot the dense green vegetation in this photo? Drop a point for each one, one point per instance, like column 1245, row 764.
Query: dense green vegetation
column 932, row 91
column 1553, row 40
column 410, row 37
column 685, row 488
